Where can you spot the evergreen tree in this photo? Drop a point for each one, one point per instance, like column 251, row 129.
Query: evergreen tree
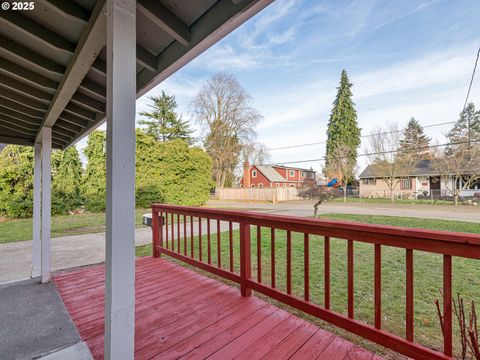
column 67, row 180
column 163, row 122
column 414, row 141
column 94, row 182
column 467, row 127
column 343, row 127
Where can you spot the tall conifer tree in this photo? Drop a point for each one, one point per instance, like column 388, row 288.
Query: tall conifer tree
column 414, row 141
column 343, row 130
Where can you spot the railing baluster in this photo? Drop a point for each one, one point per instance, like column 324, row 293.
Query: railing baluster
column 200, row 239
column 173, row 233
column 192, row 246
column 259, row 254
column 326, row 271
column 184, row 235
column 219, row 248
column 306, row 266
column 378, row 286
column 230, row 238
column 447, row 304
column 245, row 260
column 289, row 262
column 166, row 230
column 178, row 233
column 409, row 294
column 209, row 257
column 155, row 234
column 272, row 254
column 350, row 279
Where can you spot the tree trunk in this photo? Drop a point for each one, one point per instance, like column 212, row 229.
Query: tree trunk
column 344, row 194
column 455, row 199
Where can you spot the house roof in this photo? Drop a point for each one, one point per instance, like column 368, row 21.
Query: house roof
column 423, row 168
column 270, row 173
column 293, row 168
column 53, row 70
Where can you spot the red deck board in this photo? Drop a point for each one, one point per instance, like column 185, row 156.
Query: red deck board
column 182, row 314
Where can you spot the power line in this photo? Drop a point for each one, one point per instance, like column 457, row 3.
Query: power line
column 471, row 79
column 369, row 154
column 363, row 136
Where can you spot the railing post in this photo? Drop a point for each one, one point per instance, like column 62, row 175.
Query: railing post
column 245, row 260
column 155, row 233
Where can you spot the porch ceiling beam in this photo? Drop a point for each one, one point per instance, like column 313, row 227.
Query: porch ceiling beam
column 23, row 100
column 9, row 123
column 69, row 8
column 36, row 31
column 74, row 120
column 146, row 58
column 165, row 19
column 60, row 136
column 66, row 128
column 27, row 75
column 15, row 140
column 100, row 66
column 220, row 20
column 80, row 112
column 89, row 103
column 94, row 88
column 33, row 58
column 24, row 89
column 91, row 43
column 25, row 110
column 20, row 117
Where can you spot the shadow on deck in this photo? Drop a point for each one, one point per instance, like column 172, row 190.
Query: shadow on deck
column 183, row 314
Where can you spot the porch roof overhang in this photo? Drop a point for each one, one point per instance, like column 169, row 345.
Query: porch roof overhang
column 53, row 59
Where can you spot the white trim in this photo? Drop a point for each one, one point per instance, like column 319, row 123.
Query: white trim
column 120, row 230
column 254, row 173
column 46, row 206
column 37, row 211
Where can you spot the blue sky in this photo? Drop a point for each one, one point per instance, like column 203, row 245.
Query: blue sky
column 404, row 58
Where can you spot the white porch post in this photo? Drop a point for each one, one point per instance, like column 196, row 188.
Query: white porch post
column 37, row 183
column 46, row 203
column 120, row 235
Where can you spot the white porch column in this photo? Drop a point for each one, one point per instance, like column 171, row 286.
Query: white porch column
column 120, row 231
column 46, row 202
column 37, row 183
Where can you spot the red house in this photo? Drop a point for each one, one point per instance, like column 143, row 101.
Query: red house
column 275, row 176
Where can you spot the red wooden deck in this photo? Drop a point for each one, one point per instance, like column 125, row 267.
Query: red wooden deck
column 183, row 314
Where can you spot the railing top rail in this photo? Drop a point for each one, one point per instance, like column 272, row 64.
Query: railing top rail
column 345, row 228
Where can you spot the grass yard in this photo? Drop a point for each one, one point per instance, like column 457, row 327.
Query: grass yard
column 64, row 225
column 428, row 277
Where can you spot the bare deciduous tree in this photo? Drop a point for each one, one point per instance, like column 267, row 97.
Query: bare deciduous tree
column 223, row 109
column 458, row 167
column 341, row 166
column 255, row 153
column 386, row 160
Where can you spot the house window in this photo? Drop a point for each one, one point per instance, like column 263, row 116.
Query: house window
column 260, row 185
column 475, row 185
column 277, row 184
column 369, row 181
column 292, row 173
column 253, row 185
column 304, row 174
column 406, row 184
column 254, row 173
column 292, row 185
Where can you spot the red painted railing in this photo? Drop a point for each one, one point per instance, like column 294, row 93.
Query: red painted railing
column 446, row 243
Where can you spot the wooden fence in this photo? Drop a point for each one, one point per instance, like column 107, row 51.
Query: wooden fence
column 259, row 194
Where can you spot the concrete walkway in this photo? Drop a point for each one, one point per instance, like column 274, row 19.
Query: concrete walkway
column 70, row 251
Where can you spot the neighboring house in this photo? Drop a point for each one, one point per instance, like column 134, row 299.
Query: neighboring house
column 275, row 176
column 424, row 180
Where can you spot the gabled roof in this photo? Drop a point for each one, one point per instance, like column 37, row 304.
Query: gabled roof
column 270, row 173
column 293, row 168
column 423, row 168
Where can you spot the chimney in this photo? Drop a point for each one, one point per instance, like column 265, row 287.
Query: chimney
column 246, row 175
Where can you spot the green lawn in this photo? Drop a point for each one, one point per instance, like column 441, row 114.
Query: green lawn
column 398, row 201
column 428, row 276
column 87, row 223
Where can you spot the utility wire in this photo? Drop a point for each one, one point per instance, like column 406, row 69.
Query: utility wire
column 363, row 136
column 471, row 79
column 369, row 154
